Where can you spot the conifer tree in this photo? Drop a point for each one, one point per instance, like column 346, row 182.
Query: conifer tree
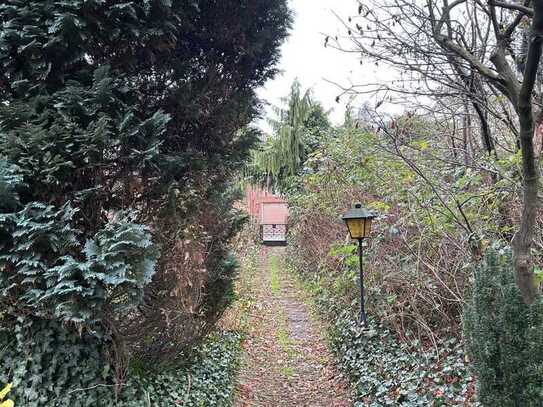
column 121, row 123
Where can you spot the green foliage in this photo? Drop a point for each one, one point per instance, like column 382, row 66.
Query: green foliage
column 10, row 183
column 207, row 379
column 121, row 125
column 275, row 283
column 59, row 368
column 504, row 337
column 418, row 259
column 296, row 133
column 386, row 371
column 55, row 368
column 416, row 271
column 46, row 275
column 122, row 257
column 220, row 287
column 285, row 151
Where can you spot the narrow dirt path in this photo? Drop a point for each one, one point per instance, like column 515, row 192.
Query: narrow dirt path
column 285, row 362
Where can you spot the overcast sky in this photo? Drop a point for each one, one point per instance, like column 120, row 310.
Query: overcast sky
column 304, row 56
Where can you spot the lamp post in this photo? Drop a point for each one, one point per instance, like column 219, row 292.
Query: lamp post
column 358, row 221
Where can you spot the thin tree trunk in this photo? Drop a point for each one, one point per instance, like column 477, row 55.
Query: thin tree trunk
column 523, row 240
column 486, row 135
column 466, row 135
column 453, row 143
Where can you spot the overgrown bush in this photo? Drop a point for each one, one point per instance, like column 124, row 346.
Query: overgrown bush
column 46, row 274
column 419, row 258
column 504, row 337
column 385, row 370
column 50, row 366
column 193, row 285
column 205, row 377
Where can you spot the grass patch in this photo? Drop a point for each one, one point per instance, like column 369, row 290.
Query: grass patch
column 285, row 343
column 287, row 371
column 283, row 338
column 275, row 283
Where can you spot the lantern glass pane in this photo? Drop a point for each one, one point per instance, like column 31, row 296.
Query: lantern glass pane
column 356, row 228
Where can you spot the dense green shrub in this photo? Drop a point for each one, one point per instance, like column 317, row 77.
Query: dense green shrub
column 50, row 366
column 384, row 371
column 206, row 379
column 140, row 106
column 504, row 337
column 121, row 127
column 415, row 254
column 45, row 276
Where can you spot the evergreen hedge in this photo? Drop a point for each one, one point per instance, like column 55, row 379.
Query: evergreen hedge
column 504, row 337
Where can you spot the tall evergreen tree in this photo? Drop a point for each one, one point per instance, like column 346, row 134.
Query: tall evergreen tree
column 120, row 126
column 296, row 130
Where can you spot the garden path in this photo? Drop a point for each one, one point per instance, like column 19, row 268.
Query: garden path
column 285, row 361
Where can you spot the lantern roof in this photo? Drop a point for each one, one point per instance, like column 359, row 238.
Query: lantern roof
column 358, row 212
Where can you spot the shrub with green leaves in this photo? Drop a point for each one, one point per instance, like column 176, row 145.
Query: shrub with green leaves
column 51, row 366
column 504, row 336
column 205, row 378
column 61, row 368
column 384, row 370
column 121, row 126
column 46, row 273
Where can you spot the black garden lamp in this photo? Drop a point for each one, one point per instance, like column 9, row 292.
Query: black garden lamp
column 358, row 221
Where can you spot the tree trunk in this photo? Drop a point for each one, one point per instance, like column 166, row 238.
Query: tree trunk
column 486, row 134
column 523, row 240
column 466, row 135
